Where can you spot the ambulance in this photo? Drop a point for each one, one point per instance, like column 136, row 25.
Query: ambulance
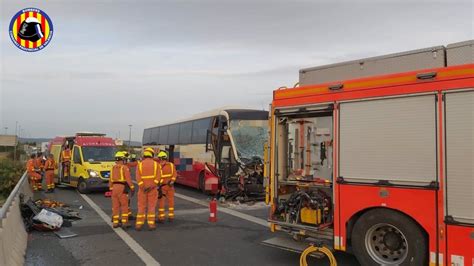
column 91, row 160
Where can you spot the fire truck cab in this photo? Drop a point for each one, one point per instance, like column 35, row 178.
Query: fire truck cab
column 377, row 158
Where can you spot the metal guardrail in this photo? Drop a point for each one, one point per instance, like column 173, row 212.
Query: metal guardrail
column 11, row 197
column 13, row 236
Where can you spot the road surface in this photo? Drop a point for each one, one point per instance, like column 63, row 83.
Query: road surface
column 190, row 240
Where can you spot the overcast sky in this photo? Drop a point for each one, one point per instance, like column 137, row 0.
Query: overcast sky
column 115, row 63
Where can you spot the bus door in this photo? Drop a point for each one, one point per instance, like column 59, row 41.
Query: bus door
column 222, row 148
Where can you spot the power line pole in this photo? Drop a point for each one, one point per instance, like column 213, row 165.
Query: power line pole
column 129, row 137
column 16, row 142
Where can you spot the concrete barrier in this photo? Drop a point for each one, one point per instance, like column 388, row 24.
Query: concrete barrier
column 13, row 236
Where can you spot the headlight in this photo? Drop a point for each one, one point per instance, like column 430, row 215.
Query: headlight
column 93, row 173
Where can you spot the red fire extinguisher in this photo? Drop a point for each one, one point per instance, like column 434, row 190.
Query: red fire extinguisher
column 213, row 211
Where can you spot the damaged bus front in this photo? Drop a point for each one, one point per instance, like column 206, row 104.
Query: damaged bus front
column 218, row 152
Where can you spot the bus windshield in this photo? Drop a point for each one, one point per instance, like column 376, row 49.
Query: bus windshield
column 98, row 154
column 249, row 137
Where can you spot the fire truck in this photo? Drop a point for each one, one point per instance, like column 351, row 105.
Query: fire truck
column 375, row 157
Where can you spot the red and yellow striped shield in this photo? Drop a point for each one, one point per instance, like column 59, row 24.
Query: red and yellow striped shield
column 31, row 29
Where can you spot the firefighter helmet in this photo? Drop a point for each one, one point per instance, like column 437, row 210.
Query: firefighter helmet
column 30, row 30
column 148, row 154
column 163, row 155
column 119, row 155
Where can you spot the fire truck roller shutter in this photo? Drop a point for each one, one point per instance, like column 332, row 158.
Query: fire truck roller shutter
column 392, row 139
column 459, row 155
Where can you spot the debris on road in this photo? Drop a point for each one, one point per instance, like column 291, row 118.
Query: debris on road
column 49, row 220
column 47, row 203
column 65, row 233
column 47, row 215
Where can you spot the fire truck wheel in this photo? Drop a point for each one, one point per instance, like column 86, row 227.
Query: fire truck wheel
column 82, row 187
column 385, row 237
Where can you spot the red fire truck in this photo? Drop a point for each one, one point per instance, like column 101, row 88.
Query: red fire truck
column 375, row 163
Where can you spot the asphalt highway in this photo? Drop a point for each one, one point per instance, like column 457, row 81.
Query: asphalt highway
column 190, row 240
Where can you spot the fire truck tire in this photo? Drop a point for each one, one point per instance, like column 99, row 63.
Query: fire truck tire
column 386, row 237
column 82, row 187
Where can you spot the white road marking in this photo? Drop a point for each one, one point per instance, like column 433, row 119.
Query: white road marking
column 240, row 215
column 191, row 211
column 139, row 250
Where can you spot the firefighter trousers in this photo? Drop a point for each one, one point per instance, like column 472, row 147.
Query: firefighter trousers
column 147, row 204
column 168, row 196
column 119, row 204
column 35, row 181
column 49, row 179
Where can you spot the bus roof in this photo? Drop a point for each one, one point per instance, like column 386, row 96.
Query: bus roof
column 231, row 112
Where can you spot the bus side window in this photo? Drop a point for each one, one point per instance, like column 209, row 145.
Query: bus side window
column 77, row 156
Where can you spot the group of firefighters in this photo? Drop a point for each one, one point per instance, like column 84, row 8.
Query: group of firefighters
column 39, row 166
column 155, row 179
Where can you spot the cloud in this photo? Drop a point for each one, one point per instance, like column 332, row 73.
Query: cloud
column 166, row 60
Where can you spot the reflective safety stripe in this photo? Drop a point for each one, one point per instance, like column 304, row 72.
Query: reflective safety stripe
column 122, row 177
column 156, row 181
column 139, row 223
column 155, row 169
column 125, row 215
column 171, row 209
column 161, row 210
column 140, row 215
column 140, row 183
column 124, row 220
column 151, row 216
column 151, row 222
column 171, row 214
column 116, row 216
column 168, row 175
column 162, row 215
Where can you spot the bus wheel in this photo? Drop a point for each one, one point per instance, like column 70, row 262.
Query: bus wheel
column 385, row 237
column 82, row 187
column 202, row 184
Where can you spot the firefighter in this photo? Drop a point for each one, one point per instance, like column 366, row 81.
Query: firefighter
column 49, row 167
column 132, row 161
column 39, row 168
column 168, row 177
column 119, row 183
column 148, row 176
column 66, row 160
column 34, row 177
